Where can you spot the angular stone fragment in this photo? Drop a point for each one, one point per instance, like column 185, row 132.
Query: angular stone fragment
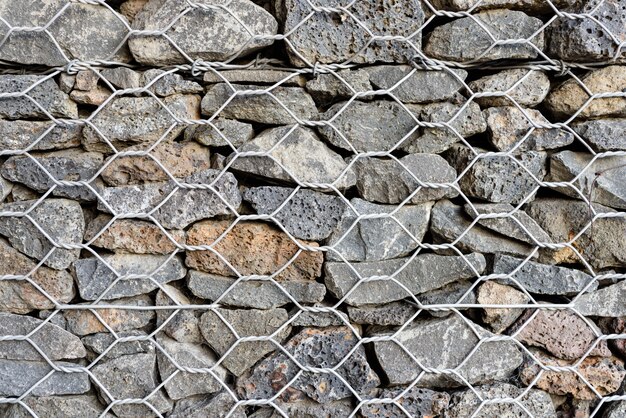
column 312, row 347
column 524, row 87
column 254, row 294
column 194, row 356
column 378, row 238
column 122, row 77
column 221, row 405
column 394, row 313
column 20, row 193
column 616, row 410
column 330, row 38
column 131, row 236
column 465, row 403
column 94, row 97
column 327, row 88
column 217, row 34
column 388, row 181
column 509, row 126
column 61, row 219
column 253, row 75
column 602, row 134
column 449, row 223
column 181, row 208
column 96, row 280
column 130, row 8
column 600, row 181
column 452, row 293
column 41, row 89
column 419, row 402
column 106, row 343
column 508, row 226
column 307, row 408
column 444, row 343
column 320, row 319
column 543, row 279
column 127, row 121
column 492, row 293
column 498, row 179
column 53, row 341
column 605, row 374
column 66, row 165
column 528, row 6
column 5, row 189
column 307, row 214
column 466, row 40
column 570, row 97
column 420, row 274
column 73, row 406
column 246, row 323
column 268, row 108
column 37, row 135
column 19, row 377
column 83, row 322
column 184, row 325
column 224, row 132
column 20, row 295
column 166, row 84
column 294, row 154
column 609, row 301
column 140, row 369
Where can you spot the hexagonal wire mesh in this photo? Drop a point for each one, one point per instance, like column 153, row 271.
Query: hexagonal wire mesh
column 366, row 208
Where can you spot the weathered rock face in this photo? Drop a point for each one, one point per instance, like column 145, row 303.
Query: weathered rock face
column 417, row 401
column 224, row 132
column 608, row 301
column 40, row 89
column 38, row 135
column 221, row 405
column 524, row 87
column 603, row 134
column 72, row 406
column 18, row 377
column 492, row 293
column 105, row 344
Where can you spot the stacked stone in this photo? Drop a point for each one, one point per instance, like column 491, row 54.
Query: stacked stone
column 432, row 226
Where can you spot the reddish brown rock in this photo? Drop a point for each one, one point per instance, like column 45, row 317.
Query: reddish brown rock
column 492, row 293
column 251, row 248
column 94, row 97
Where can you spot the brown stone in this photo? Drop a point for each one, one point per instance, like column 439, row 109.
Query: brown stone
column 130, row 8
column 180, row 160
column 251, row 248
column 491, row 293
column 94, row 97
column 132, row 236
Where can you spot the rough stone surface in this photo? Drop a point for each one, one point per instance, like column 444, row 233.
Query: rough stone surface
column 608, row 301
column 312, row 347
column 166, row 84
column 37, row 135
column 246, row 323
column 529, row 6
column 218, row 406
column 492, row 293
column 327, row 88
column 18, row 377
column 182, row 326
column 445, row 343
column 455, row 292
column 224, row 132
column 72, row 406
column 380, row 238
column 394, row 313
column 388, row 181
column 308, row 214
column 616, row 410
column 251, row 248
column 122, row 77
column 331, row 39
column 524, row 87
column 419, row 274
column 105, row 343
column 465, row 40
column 94, row 97
column 212, row 36
column 46, row 93
column 419, row 402
column 253, row 75
column 602, row 134
column 61, row 219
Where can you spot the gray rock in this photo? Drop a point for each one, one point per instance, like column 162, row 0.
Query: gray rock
column 419, row 402
column 252, row 75
column 5, row 189
column 126, row 121
column 106, row 343
column 97, row 280
column 224, row 132
column 416, row 86
column 37, row 136
column 388, row 181
column 616, row 410
column 587, row 40
column 194, row 356
column 131, row 377
column 86, row 80
column 73, row 406
column 53, row 341
column 603, row 134
column 465, row 403
column 509, row 126
column 308, row 214
column 166, row 84
column 184, row 207
column 61, row 219
column 449, row 223
column 19, row 377
column 394, row 313
column 601, row 244
column 452, row 293
column 444, row 343
column 466, row 40
column 183, row 326
column 307, row 409
column 498, row 178
column 66, row 165
column 601, row 181
column 46, row 93
column 543, row 279
column 306, row 158
column 378, row 238
column 312, row 347
column 609, row 301
column 246, row 323
column 267, row 108
column 20, row 193
column 420, row 274
column 327, row 88
column 218, row 406
column 259, row 294
column 318, row 319
column 492, row 293
column 336, row 37
column 508, row 226
column 122, row 77
column 211, row 35
column 524, row 87
column 529, row 6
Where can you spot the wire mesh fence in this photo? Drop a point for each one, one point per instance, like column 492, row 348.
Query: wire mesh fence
column 367, row 208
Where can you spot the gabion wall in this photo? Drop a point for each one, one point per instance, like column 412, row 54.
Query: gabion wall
column 312, row 208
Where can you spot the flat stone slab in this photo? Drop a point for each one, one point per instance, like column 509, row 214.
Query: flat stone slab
column 608, row 301
column 524, row 87
column 38, row 135
column 68, row 406
column 105, row 343
column 19, row 376
column 602, row 134
column 46, row 93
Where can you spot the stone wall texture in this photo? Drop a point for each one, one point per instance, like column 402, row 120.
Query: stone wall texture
column 312, row 208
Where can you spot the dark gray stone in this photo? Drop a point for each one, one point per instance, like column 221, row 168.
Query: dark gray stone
column 37, row 136
column 524, row 87
column 18, row 376
column 166, row 84
column 218, row 406
column 224, row 133
column 183, row 326
column 394, row 313
column 72, row 406
column 327, row 88
column 122, row 77
column 603, row 134
column 46, row 93
column 609, row 301
column 452, row 293
column 99, row 343
column 419, row 402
